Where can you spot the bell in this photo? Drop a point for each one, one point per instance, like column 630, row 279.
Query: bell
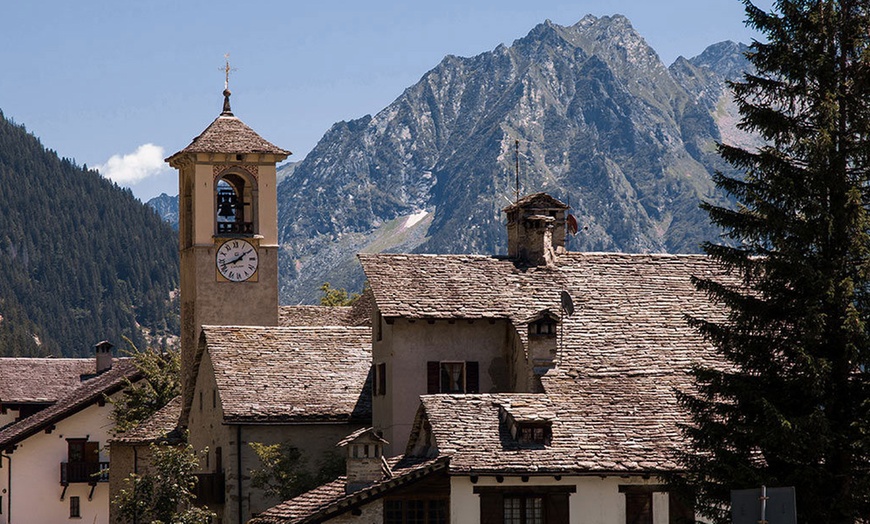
column 227, row 203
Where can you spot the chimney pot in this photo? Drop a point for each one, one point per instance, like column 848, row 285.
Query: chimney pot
column 103, row 352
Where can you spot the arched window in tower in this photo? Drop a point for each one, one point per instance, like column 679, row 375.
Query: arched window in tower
column 234, row 205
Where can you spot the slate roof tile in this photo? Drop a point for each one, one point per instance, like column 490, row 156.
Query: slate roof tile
column 41, row 380
column 283, row 374
column 86, row 394
column 228, row 134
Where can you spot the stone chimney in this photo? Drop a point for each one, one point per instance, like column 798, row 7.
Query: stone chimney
column 104, row 356
column 364, row 459
column 536, row 229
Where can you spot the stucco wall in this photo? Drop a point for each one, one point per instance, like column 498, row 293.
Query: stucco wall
column 596, row 500
column 407, row 346
column 36, row 489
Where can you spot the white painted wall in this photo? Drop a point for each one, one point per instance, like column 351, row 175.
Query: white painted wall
column 596, row 501
column 36, row 488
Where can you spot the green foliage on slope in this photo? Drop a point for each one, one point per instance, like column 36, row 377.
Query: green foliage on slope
column 83, row 260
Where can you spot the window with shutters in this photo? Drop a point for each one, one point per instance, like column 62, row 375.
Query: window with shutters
column 638, row 508
column 416, row 511
column 640, row 504
column 380, row 379
column 453, row 377
column 531, row 505
column 523, row 510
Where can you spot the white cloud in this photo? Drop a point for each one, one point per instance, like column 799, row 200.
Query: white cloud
column 145, row 162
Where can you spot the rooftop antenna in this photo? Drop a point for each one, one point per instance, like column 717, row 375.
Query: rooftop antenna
column 227, row 70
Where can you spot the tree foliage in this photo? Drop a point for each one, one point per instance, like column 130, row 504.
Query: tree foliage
column 330, row 296
column 86, row 260
column 160, row 383
column 284, row 473
column 165, row 493
column 791, row 407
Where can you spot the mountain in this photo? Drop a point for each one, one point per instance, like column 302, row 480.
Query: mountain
column 84, row 260
column 166, row 207
column 601, row 122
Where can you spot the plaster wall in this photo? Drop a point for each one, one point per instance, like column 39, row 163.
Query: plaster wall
column 596, row 500
column 35, row 493
column 407, row 345
column 208, row 432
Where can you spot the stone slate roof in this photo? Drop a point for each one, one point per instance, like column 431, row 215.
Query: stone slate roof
column 623, row 302
column 620, row 356
column 41, row 380
column 88, row 393
column 330, row 499
column 537, row 200
column 291, row 374
column 161, row 426
column 228, row 134
column 615, row 425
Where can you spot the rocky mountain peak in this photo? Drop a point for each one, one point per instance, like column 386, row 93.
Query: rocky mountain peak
column 601, row 122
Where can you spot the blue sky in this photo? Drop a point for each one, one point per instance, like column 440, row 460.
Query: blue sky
column 120, row 85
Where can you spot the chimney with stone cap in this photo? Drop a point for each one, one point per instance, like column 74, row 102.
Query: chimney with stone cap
column 536, row 229
column 364, row 459
column 103, row 352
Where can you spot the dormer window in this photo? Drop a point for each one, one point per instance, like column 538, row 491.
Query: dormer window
column 543, row 327
column 537, row 433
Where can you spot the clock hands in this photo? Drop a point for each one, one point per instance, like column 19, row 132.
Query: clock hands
column 243, row 255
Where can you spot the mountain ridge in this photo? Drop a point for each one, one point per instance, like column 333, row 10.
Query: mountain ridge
column 601, row 122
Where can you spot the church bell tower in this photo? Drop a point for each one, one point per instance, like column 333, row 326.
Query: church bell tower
column 228, row 233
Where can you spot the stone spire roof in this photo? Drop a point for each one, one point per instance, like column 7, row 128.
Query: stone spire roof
column 228, row 134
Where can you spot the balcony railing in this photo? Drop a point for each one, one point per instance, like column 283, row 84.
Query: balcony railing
column 89, row 472
column 210, row 488
column 235, row 228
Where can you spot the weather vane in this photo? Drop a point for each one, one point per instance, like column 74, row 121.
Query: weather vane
column 227, row 69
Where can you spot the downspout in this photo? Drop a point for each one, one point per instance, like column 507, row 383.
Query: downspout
column 8, row 489
column 239, row 468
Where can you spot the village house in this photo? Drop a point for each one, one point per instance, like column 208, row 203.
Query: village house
column 54, row 463
column 534, row 388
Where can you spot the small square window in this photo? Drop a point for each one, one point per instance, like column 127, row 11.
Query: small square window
column 75, row 509
column 534, row 434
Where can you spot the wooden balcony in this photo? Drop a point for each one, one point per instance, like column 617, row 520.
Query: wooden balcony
column 83, row 472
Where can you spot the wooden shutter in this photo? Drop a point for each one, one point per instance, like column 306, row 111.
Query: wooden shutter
column 472, row 377
column 638, row 508
column 491, row 508
column 92, row 452
column 557, row 508
column 679, row 510
column 433, row 377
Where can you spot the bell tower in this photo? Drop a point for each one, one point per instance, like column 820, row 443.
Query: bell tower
column 228, row 233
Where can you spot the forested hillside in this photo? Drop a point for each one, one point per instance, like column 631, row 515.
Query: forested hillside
column 82, row 259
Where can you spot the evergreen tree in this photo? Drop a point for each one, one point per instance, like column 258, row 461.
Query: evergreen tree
column 790, row 405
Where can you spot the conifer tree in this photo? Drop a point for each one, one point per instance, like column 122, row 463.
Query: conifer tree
column 790, row 405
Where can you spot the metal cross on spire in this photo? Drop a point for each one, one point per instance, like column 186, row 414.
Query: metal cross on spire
column 227, row 69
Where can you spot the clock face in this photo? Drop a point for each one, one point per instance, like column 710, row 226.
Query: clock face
column 237, row 260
